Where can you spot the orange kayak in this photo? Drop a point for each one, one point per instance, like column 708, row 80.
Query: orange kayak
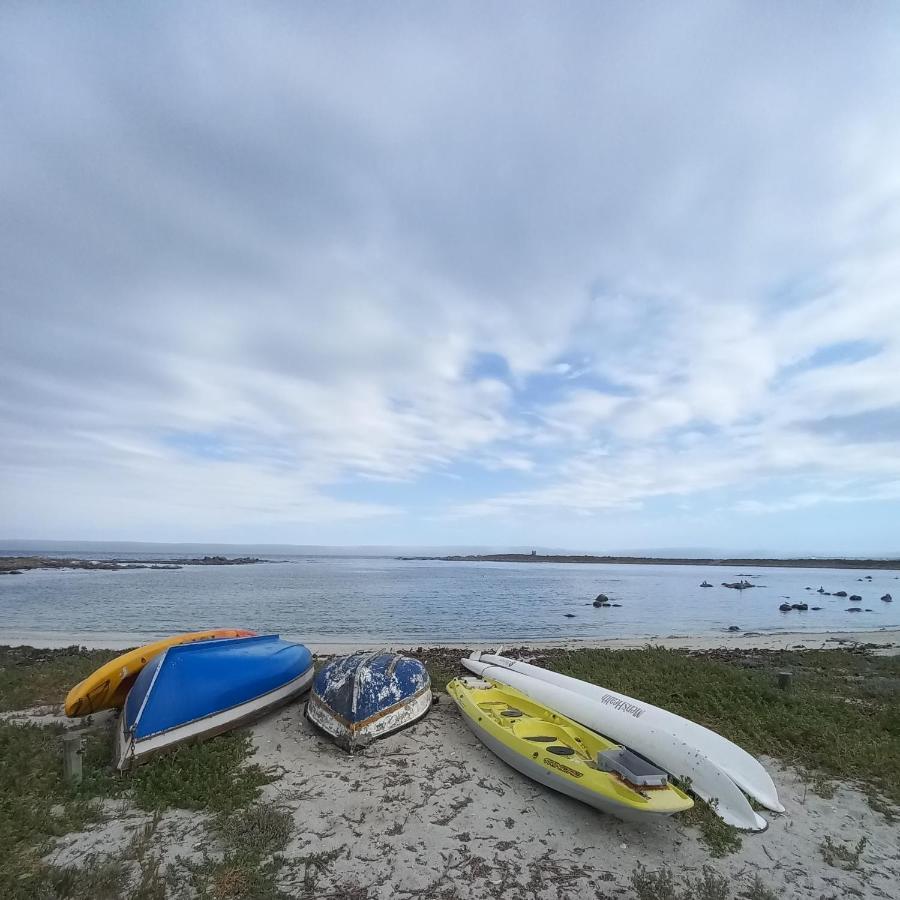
column 109, row 685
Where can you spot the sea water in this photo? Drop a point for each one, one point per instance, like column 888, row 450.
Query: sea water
column 328, row 599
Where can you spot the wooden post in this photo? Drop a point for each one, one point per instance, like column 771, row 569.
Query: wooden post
column 785, row 679
column 73, row 745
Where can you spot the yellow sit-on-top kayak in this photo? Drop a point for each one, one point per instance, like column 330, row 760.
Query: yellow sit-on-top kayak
column 108, row 687
column 562, row 754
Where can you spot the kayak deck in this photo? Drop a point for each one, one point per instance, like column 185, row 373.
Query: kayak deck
column 557, row 751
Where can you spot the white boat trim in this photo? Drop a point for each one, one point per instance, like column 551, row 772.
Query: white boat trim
column 352, row 737
column 662, row 748
column 744, row 769
column 130, row 752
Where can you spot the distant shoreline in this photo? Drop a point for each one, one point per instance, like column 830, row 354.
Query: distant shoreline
column 16, row 565
column 804, row 563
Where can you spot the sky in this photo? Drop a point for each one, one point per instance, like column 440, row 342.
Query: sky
column 583, row 275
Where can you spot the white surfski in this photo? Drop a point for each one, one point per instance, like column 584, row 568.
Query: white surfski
column 662, row 748
column 743, row 769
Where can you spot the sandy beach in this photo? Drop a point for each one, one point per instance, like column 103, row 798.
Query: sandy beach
column 888, row 640
column 430, row 813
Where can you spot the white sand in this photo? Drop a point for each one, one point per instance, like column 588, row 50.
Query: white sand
column 782, row 640
column 886, row 638
column 430, row 813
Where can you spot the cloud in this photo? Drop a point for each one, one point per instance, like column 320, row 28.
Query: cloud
column 252, row 255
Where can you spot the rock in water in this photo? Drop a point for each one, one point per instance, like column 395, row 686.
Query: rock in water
column 840, row 593
column 569, row 615
column 705, row 583
column 855, row 598
column 854, row 609
column 785, row 607
column 887, row 598
column 800, row 606
column 732, row 627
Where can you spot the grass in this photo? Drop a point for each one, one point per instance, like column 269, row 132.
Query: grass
column 36, row 805
column 719, row 837
column 214, row 776
column 843, row 856
column 661, row 885
column 252, row 839
column 32, row 677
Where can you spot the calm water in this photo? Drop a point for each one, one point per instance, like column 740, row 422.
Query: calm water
column 347, row 600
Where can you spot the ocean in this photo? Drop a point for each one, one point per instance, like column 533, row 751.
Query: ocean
column 346, row 600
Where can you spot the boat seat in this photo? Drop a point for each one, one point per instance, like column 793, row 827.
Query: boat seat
column 540, row 738
column 512, row 713
column 561, row 750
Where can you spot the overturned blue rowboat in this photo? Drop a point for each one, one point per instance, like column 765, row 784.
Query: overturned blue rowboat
column 359, row 698
column 194, row 691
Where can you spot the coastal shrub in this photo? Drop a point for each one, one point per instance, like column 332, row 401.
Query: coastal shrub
column 214, row 775
column 35, row 677
column 843, row 856
column 262, row 828
column 661, row 885
column 37, row 805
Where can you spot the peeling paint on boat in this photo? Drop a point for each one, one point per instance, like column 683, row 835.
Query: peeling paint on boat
column 361, row 697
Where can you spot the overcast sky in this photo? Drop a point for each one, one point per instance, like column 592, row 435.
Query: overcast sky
column 593, row 275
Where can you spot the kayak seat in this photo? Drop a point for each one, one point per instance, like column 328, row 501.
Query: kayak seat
column 561, row 750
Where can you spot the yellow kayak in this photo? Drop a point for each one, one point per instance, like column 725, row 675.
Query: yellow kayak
column 564, row 755
column 109, row 685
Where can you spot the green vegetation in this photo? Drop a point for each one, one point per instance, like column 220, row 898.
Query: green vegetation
column 213, row 776
column 719, row 837
column 252, row 839
column 31, row 677
column 710, row 885
column 661, row 885
column 843, row 856
column 36, row 805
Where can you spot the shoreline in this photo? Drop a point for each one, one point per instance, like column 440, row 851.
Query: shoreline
column 18, row 565
column 587, row 559
column 887, row 638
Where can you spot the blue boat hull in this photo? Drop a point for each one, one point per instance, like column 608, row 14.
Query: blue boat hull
column 194, row 691
column 359, row 698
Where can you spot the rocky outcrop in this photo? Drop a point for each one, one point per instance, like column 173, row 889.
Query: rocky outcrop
column 18, row 564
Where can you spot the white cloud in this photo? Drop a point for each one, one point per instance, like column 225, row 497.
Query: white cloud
column 226, row 234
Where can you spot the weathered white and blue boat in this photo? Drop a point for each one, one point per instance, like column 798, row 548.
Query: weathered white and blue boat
column 194, row 691
column 359, row 698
